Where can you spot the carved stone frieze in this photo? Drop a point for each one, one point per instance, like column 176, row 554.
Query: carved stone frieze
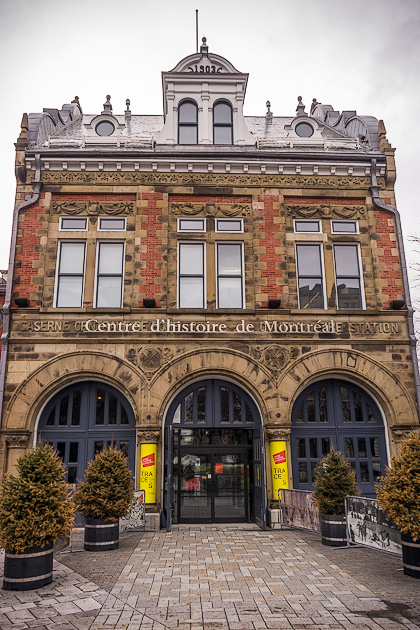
column 211, row 209
column 188, row 179
column 275, row 357
column 147, row 436
column 278, row 433
column 402, row 433
column 324, row 211
column 149, row 360
column 93, row 207
column 17, row 440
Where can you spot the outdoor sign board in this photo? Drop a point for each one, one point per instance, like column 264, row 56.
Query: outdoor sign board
column 367, row 525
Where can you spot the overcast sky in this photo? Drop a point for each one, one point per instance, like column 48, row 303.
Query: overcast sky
column 361, row 55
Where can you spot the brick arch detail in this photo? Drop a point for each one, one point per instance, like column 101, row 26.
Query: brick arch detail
column 396, row 403
column 41, row 385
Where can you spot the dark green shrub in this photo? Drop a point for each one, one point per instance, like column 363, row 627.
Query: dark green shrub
column 334, row 480
column 107, row 491
column 35, row 506
column 398, row 491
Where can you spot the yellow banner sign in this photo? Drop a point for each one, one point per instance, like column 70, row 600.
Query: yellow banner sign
column 279, row 471
column 148, row 453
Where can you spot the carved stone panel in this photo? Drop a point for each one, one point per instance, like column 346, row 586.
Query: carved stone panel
column 148, row 436
column 278, row 433
column 212, row 209
column 324, row 211
column 93, row 207
column 148, row 359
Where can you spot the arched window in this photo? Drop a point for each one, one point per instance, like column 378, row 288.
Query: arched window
column 188, row 123
column 222, row 123
column 85, row 418
column 339, row 414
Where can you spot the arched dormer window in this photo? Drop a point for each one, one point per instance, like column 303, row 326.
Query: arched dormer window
column 222, row 123
column 188, row 123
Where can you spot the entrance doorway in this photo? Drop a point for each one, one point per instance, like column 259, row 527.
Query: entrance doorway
column 213, row 456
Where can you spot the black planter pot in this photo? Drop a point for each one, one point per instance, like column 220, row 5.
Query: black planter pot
column 101, row 535
column 333, row 530
column 411, row 555
column 28, row 570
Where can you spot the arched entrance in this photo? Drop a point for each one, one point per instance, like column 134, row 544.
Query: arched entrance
column 213, row 457
column 85, row 418
column 338, row 413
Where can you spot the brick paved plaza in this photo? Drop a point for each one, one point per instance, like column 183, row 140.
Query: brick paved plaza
column 219, row 578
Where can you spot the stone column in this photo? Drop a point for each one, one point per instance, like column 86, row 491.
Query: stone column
column 16, row 443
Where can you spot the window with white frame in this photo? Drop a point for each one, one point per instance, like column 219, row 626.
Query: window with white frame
column 191, row 225
column 73, row 223
column 222, row 123
column 191, row 275
column 307, row 226
column 111, row 223
column 70, row 274
column 230, row 286
column 188, row 123
column 310, row 276
column 109, row 275
column 344, row 227
column 229, row 225
column 348, row 276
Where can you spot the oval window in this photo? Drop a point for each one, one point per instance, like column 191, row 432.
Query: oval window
column 105, row 128
column 304, row 130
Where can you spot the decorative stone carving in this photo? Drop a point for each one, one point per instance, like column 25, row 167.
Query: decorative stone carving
column 149, row 359
column 400, row 434
column 278, row 433
column 276, row 357
column 188, row 179
column 17, row 440
column 93, row 207
column 148, row 436
column 324, row 212
column 211, row 209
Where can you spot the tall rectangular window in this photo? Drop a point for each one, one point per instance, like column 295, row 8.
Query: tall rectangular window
column 229, row 275
column 310, row 276
column 70, row 274
column 191, row 284
column 109, row 279
column 348, row 276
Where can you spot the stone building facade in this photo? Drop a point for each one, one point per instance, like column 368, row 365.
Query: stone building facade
column 222, row 296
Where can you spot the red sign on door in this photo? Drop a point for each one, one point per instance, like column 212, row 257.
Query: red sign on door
column 192, row 484
column 218, row 468
column 279, row 458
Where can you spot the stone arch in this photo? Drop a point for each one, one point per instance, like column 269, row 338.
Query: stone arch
column 224, row 363
column 29, row 398
column 395, row 401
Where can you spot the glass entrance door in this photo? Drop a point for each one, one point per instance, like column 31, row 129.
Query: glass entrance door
column 213, row 487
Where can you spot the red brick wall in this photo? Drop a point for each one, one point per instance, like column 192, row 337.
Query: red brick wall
column 271, row 261
column 385, row 227
column 152, row 259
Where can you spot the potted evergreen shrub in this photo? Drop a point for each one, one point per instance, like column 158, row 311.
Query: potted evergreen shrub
column 104, row 497
column 398, row 494
column 35, row 510
column 334, row 480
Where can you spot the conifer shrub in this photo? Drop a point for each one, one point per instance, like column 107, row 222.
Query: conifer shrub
column 334, row 480
column 398, row 492
column 107, row 491
column 35, row 505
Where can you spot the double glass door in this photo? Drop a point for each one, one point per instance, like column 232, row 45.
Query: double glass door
column 212, row 486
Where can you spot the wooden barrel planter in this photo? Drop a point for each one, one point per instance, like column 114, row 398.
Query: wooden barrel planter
column 333, row 530
column 28, row 570
column 411, row 555
column 101, row 535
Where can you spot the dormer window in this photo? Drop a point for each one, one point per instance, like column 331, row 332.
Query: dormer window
column 304, row 130
column 105, row 128
column 188, row 123
column 222, row 123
